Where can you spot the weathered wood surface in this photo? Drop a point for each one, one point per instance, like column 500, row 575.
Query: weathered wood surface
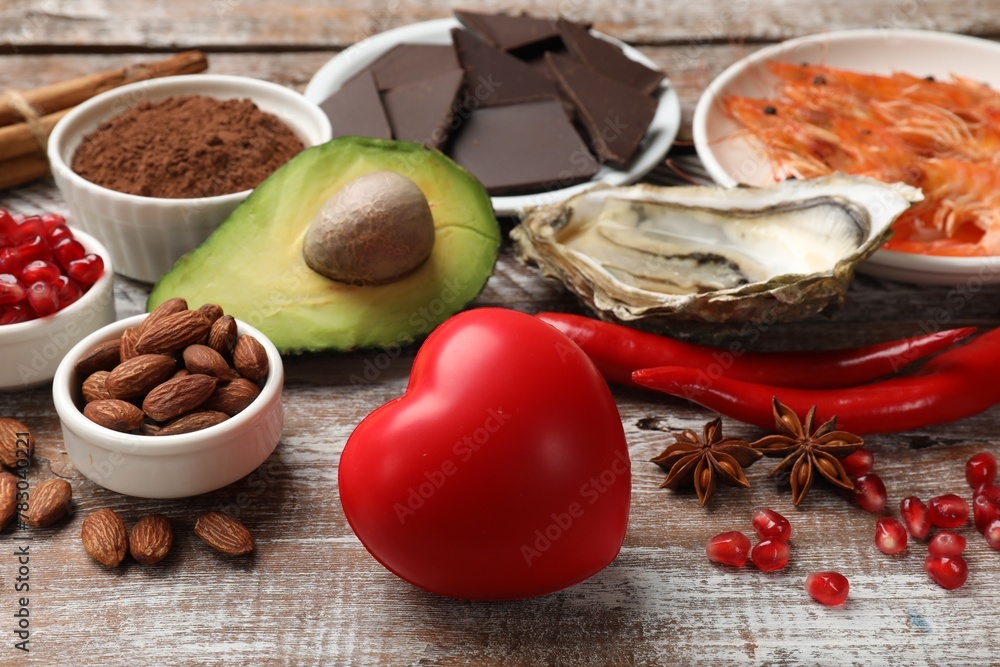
column 312, row 595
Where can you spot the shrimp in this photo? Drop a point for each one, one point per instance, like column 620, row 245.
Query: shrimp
column 943, row 137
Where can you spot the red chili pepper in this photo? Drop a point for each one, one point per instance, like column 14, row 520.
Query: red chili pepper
column 956, row 384
column 618, row 351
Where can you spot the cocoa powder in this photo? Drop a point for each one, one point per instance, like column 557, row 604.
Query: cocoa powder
column 183, row 147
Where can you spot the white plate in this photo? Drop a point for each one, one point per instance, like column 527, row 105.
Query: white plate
column 659, row 137
column 731, row 159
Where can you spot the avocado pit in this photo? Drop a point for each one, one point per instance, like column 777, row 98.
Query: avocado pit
column 375, row 230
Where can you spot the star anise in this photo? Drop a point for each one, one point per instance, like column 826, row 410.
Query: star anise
column 806, row 451
column 690, row 461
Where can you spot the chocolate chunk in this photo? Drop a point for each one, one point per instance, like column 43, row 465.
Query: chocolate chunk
column 509, row 32
column 616, row 115
column 493, row 77
column 606, row 58
column 422, row 111
column 357, row 109
column 405, row 63
column 520, row 148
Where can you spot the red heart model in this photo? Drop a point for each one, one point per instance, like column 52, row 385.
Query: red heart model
column 501, row 473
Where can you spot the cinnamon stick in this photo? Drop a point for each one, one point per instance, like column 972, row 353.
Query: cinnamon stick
column 66, row 94
column 17, row 140
column 21, row 170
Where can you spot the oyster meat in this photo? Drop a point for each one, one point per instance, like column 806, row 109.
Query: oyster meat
column 712, row 254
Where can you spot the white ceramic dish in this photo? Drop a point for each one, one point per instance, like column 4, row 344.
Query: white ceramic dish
column 146, row 235
column 30, row 351
column 730, row 158
column 170, row 466
column 659, row 137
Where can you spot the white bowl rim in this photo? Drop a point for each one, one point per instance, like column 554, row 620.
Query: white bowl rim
column 201, row 81
column 24, row 330
column 144, row 445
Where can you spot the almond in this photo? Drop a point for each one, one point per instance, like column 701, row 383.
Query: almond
column 168, row 307
column 173, row 332
column 193, row 421
column 127, row 343
column 177, row 396
column 102, row 357
column 114, row 414
column 212, row 311
column 222, row 335
column 232, row 397
column 48, row 502
column 149, row 427
column 150, row 539
column 16, row 443
column 250, row 358
column 104, row 537
column 8, row 498
column 224, row 533
column 137, row 376
column 95, row 387
column 205, row 360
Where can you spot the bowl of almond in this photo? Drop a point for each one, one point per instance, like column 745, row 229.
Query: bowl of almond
column 171, row 404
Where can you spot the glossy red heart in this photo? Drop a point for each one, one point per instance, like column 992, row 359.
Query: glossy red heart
column 501, row 473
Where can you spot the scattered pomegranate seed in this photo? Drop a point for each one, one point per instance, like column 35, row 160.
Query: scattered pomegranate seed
column 858, row 463
column 946, row 543
column 11, row 289
column 30, row 227
column 890, row 536
column 992, row 534
column 990, row 491
column 86, row 271
column 946, row 571
column 770, row 555
column 948, row 511
column 34, row 248
column 829, row 588
column 730, row 548
column 43, row 299
column 984, row 511
column 915, row 516
column 871, row 494
column 981, row 469
column 40, row 271
column 769, row 525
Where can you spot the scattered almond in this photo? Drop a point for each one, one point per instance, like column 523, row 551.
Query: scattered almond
column 127, row 349
column 8, row 498
column 168, row 307
column 173, row 332
column 95, row 387
column 150, row 539
column 115, row 414
column 177, row 396
column 211, row 311
column 48, row 502
column 250, row 358
column 222, row 335
column 203, row 359
column 139, row 375
column 102, row 357
column 232, row 397
column 192, row 421
column 104, row 537
column 224, row 533
column 16, row 442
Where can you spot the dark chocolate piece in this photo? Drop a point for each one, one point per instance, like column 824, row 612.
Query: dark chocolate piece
column 493, row 77
column 509, row 32
column 405, row 63
column 521, row 148
column 422, row 111
column 616, row 115
column 606, row 58
column 357, row 109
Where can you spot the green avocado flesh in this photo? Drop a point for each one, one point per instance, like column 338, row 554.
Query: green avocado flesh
column 253, row 267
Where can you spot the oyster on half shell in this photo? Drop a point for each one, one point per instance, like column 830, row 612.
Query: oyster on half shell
column 712, row 254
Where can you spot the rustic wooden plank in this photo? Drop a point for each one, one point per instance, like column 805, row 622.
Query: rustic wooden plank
column 28, row 24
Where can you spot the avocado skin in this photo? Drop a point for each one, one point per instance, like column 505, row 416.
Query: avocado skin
column 252, row 265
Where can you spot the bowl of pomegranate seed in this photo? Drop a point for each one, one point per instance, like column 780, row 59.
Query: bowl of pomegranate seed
column 55, row 290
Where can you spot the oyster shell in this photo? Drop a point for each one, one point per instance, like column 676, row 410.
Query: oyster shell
column 711, row 254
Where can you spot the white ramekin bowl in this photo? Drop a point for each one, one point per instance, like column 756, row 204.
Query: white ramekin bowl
column 30, row 351
column 170, row 466
column 146, row 235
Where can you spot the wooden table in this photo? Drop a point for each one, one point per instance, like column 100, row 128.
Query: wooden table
column 313, row 595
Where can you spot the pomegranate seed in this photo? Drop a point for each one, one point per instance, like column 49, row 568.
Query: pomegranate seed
column 984, row 511
column 7, row 222
column 946, row 571
column 86, row 271
column 770, row 555
column 948, row 511
column 981, row 469
column 871, row 494
column 57, row 234
column 67, row 290
column 769, row 525
column 53, row 220
column 829, row 588
column 43, row 299
column 68, row 250
column 11, row 289
column 992, row 534
column 946, row 543
column 730, row 548
column 31, row 227
column 858, row 463
column 15, row 313
column 915, row 516
column 890, row 536
column 34, row 248
column 990, row 491
column 40, row 271
column 18, row 217
column 10, row 261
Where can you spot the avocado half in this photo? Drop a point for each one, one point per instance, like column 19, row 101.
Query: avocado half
column 253, row 266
